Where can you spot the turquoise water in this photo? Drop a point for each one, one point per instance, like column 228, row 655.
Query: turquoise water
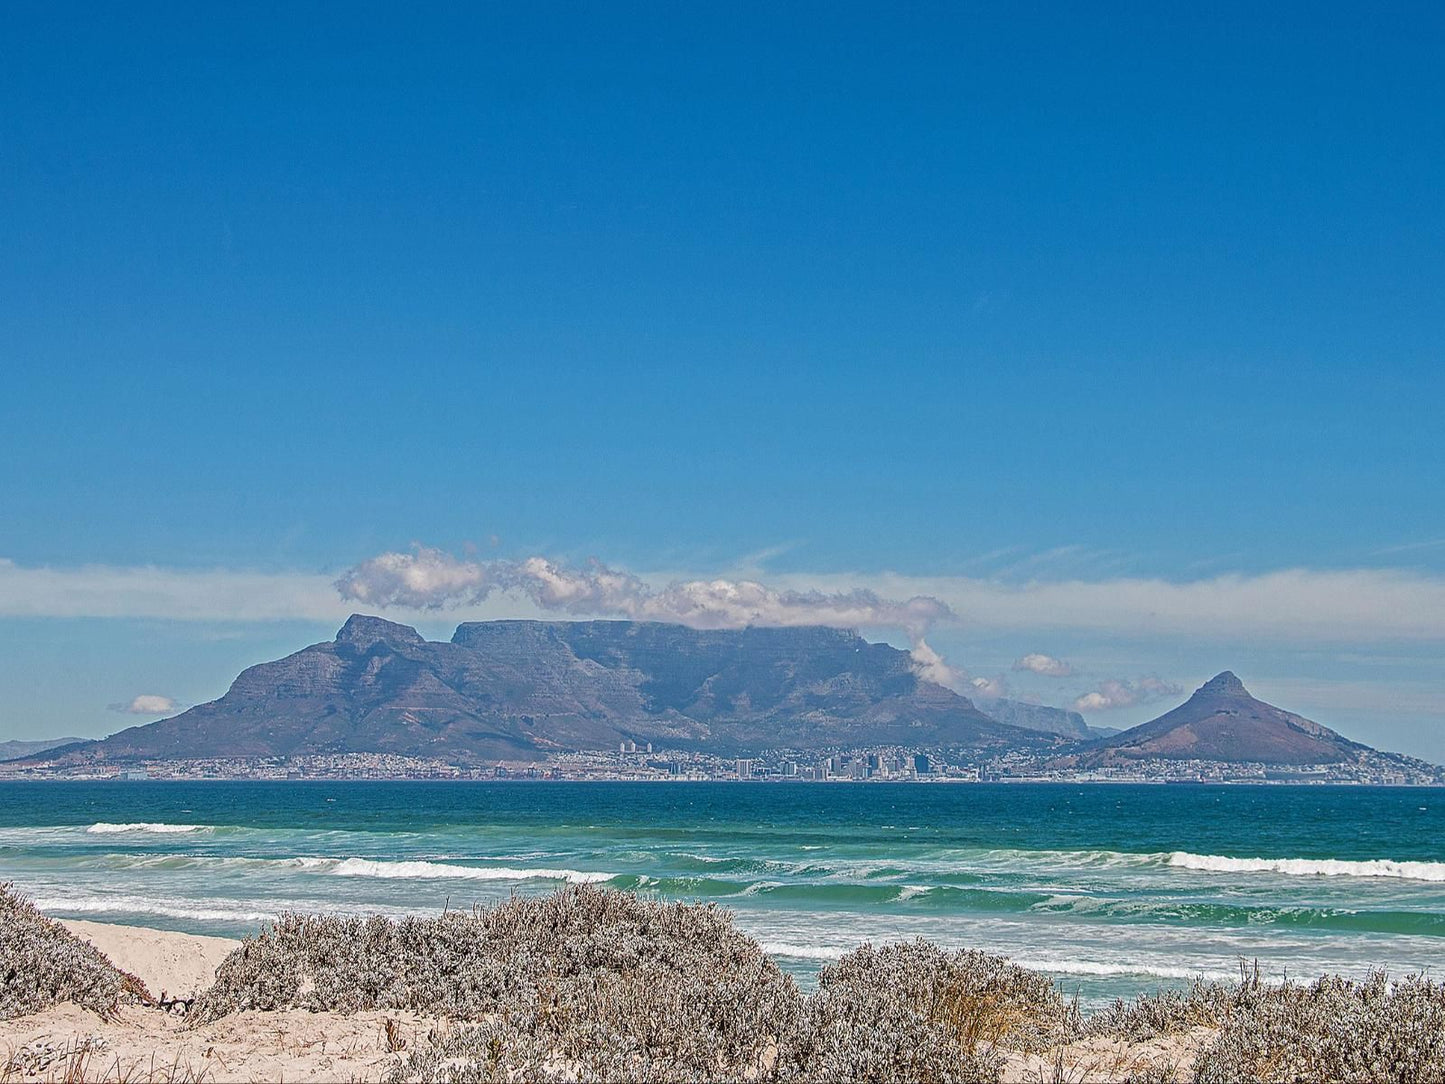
column 1111, row 889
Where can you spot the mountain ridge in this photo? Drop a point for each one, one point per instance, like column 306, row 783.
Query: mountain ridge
column 528, row 689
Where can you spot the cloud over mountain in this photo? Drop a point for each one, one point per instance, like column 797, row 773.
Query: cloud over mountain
column 1046, row 665
column 1114, row 694
column 148, row 704
column 431, row 579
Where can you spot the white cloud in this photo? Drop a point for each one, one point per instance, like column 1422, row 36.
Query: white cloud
column 171, row 593
column 148, row 704
column 424, row 579
column 1296, row 606
column 1044, row 664
column 1289, row 606
column 987, row 688
column 929, row 665
column 429, row 579
column 1112, row 695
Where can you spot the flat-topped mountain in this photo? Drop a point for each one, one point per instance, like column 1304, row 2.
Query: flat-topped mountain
column 520, row 690
column 1222, row 721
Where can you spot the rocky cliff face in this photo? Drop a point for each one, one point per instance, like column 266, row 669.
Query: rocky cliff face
column 522, row 689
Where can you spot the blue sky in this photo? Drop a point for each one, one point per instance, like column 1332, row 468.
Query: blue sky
column 1119, row 331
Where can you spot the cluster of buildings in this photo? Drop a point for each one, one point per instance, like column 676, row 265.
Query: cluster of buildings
column 642, row 762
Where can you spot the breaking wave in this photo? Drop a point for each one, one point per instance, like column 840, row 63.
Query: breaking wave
column 1311, row 867
column 1070, row 966
column 104, row 828
column 365, row 867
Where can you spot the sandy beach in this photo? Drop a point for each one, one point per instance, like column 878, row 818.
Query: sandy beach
column 147, row 1044
column 140, row 1043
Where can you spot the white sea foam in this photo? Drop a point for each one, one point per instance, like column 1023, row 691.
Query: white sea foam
column 364, row 867
column 757, row 887
column 105, row 829
column 1311, row 867
column 802, row 952
column 1069, row 966
column 138, row 905
column 908, row 892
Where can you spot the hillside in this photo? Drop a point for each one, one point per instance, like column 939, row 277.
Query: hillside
column 1222, row 721
column 525, row 689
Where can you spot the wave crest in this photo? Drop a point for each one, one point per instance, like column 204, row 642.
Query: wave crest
column 1311, row 867
column 104, row 828
column 365, row 867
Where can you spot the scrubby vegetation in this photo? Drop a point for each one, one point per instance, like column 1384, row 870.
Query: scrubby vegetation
column 602, row 985
column 615, row 985
column 42, row 964
column 589, row 984
column 1332, row 1029
column 916, row 1012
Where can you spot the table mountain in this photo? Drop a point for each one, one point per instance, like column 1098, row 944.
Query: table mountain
column 524, row 689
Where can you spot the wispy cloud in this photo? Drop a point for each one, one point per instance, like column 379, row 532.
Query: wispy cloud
column 1046, row 665
column 1353, row 606
column 1411, row 547
column 1115, row 694
column 177, row 594
column 1288, row 607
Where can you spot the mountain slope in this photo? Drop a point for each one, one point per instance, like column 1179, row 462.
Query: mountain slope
column 14, row 750
column 523, row 689
column 1222, row 721
column 1041, row 717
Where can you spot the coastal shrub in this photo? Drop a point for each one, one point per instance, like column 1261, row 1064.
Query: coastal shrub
column 1333, row 1029
column 915, row 1012
column 1201, row 1004
column 613, row 985
column 43, row 964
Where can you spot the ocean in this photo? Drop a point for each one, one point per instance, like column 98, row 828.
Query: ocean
column 1112, row 889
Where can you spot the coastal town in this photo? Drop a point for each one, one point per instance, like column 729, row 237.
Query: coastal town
column 634, row 762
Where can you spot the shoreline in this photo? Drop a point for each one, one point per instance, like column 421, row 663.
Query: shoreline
column 1018, row 781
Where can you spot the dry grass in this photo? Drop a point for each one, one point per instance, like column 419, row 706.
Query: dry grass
column 43, row 964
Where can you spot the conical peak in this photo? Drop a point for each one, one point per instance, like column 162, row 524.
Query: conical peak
column 1225, row 684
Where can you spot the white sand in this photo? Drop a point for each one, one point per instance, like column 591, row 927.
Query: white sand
column 170, row 964
column 147, row 1045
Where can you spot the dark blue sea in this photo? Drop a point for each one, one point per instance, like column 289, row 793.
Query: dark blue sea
column 1111, row 889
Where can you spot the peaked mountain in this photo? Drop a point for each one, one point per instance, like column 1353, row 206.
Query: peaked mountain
column 1222, row 721
column 520, row 690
